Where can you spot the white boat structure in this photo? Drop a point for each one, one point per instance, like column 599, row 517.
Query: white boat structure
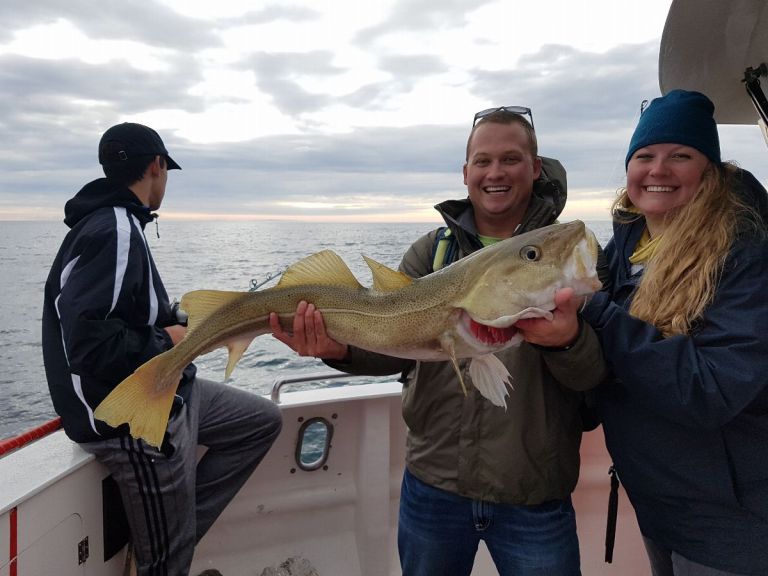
column 720, row 49
column 332, row 509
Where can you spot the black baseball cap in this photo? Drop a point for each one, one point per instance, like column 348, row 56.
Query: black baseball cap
column 130, row 140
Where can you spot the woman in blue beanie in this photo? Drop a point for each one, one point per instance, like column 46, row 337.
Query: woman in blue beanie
column 684, row 329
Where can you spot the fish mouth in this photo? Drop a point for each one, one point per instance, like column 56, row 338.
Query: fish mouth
column 491, row 335
column 502, row 330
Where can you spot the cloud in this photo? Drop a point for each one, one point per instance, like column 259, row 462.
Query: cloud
column 585, row 104
column 58, row 107
column 375, row 127
column 412, row 67
column 116, row 85
column 279, row 76
column 142, row 21
column 271, row 14
column 404, row 73
column 420, row 15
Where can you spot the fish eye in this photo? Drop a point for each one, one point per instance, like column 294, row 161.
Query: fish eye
column 530, row 253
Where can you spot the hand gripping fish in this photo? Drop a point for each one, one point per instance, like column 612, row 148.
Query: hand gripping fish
column 465, row 310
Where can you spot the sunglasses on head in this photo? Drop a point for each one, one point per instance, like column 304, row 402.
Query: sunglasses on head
column 520, row 110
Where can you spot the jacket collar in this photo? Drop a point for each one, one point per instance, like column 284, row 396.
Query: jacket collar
column 459, row 216
column 101, row 193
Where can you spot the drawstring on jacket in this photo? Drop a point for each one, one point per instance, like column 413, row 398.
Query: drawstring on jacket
column 613, row 510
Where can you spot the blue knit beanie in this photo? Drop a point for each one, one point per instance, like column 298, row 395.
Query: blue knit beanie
column 679, row 117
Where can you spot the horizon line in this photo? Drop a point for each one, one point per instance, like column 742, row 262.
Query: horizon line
column 408, row 218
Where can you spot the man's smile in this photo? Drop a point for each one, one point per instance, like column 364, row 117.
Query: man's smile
column 496, row 189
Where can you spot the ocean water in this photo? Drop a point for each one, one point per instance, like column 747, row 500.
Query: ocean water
column 222, row 255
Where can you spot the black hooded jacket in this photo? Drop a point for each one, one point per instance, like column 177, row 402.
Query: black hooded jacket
column 105, row 307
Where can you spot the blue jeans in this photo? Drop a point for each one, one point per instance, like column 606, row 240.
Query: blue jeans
column 439, row 532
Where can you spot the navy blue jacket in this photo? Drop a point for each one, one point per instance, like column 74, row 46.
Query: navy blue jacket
column 686, row 417
column 105, row 307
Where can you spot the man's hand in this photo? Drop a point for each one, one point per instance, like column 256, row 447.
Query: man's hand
column 562, row 330
column 308, row 337
column 176, row 332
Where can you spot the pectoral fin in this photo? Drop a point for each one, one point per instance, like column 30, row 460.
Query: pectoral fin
column 446, row 342
column 236, row 350
column 491, row 378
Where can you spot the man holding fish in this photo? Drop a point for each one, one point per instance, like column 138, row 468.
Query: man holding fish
column 480, row 467
column 106, row 313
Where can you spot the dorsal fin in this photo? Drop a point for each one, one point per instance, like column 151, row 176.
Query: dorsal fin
column 384, row 278
column 199, row 304
column 325, row 268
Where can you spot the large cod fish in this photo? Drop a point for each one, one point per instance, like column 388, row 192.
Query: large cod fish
column 465, row 310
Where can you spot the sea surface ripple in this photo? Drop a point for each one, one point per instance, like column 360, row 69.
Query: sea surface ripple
column 221, row 255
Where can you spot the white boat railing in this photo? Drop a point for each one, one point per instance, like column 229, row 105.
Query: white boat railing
column 315, row 377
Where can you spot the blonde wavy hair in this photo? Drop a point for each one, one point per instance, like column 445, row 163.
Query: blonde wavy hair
column 681, row 279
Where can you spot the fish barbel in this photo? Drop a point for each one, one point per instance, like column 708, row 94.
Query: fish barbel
column 465, row 310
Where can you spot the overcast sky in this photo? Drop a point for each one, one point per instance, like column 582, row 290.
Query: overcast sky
column 323, row 109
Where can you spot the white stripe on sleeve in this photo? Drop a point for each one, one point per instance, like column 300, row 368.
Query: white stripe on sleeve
column 123, row 229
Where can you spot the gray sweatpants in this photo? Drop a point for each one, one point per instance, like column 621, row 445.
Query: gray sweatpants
column 171, row 499
column 665, row 562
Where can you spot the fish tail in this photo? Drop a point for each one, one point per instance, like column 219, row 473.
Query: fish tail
column 143, row 401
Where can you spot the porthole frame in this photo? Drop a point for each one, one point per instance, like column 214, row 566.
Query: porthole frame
column 323, row 459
